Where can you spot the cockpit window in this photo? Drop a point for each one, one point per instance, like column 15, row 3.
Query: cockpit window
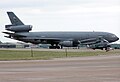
column 113, row 36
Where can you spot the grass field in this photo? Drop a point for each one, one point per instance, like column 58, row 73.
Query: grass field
column 7, row 54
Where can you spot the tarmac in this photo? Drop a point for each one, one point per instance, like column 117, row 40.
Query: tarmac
column 104, row 68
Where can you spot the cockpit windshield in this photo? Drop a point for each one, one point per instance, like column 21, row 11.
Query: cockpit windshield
column 113, row 36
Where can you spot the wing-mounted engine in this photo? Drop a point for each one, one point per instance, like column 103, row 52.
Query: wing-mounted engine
column 18, row 28
column 69, row 43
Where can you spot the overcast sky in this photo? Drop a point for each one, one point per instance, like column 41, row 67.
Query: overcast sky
column 63, row 15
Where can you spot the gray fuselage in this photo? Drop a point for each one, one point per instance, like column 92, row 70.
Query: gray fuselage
column 70, row 35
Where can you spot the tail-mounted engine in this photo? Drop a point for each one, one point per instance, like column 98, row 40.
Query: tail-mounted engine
column 18, row 28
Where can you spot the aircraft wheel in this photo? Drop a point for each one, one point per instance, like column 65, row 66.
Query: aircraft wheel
column 51, row 47
column 93, row 48
column 54, row 47
column 57, row 47
column 107, row 49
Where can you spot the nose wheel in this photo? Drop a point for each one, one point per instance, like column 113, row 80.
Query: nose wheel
column 107, row 49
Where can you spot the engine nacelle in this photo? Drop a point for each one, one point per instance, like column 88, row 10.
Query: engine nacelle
column 69, row 43
column 19, row 28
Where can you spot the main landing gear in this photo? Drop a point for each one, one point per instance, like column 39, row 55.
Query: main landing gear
column 55, row 47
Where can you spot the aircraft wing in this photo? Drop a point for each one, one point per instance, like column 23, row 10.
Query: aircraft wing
column 89, row 41
column 97, row 43
column 93, row 41
column 38, row 38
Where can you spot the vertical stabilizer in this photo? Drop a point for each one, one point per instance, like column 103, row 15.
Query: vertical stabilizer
column 17, row 25
column 14, row 19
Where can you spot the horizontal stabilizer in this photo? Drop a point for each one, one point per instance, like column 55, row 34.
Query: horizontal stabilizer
column 14, row 34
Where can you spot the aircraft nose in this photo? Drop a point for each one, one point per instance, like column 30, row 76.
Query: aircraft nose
column 117, row 38
column 114, row 38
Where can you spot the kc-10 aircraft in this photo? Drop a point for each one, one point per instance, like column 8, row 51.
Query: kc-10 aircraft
column 20, row 31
